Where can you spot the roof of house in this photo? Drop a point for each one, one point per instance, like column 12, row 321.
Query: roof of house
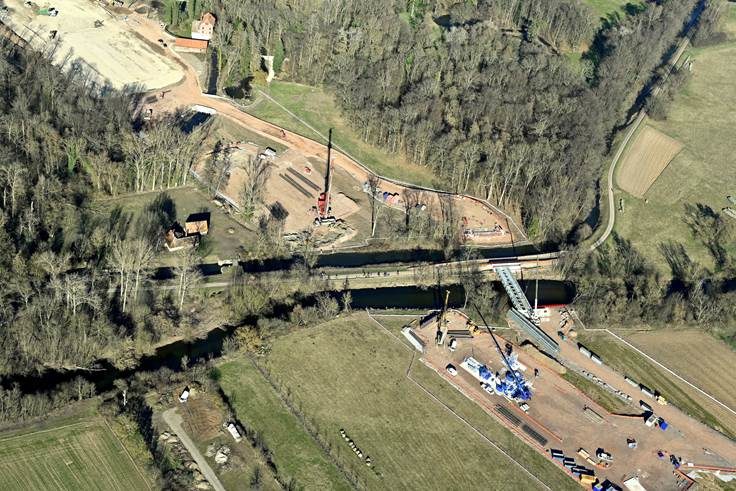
column 191, row 43
column 200, row 227
column 208, row 18
column 197, row 223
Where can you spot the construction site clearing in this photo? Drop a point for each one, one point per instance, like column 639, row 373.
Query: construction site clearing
column 651, row 445
column 97, row 37
column 297, row 187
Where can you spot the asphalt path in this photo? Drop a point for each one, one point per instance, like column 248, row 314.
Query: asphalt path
column 622, row 146
column 174, row 420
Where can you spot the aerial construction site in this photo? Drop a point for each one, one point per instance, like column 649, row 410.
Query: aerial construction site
column 521, row 375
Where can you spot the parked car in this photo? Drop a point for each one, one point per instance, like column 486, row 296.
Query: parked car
column 451, row 370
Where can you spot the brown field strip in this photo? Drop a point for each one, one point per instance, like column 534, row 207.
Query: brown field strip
column 645, row 160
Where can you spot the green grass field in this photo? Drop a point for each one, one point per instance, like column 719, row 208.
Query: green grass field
column 608, row 7
column 704, row 172
column 605, row 399
column 320, row 110
column 351, row 374
column 630, row 363
column 80, row 454
column 296, row 454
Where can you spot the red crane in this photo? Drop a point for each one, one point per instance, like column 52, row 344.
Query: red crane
column 323, row 201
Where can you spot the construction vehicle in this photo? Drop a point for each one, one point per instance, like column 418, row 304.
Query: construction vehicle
column 604, row 456
column 324, row 209
column 474, row 330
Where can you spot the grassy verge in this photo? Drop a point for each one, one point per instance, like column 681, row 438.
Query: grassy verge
column 605, row 399
column 257, row 405
column 606, row 8
column 320, row 111
column 351, row 374
column 75, row 453
column 630, row 363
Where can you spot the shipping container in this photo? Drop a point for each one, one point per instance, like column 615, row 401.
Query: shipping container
column 646, row 390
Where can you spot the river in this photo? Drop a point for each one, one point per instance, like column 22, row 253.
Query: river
column 170, row 355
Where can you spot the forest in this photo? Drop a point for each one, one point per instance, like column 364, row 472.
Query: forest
column 71, row 277
column 616, row 285
column 483, row 93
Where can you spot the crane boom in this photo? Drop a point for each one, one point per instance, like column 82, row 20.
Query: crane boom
column 323, row 202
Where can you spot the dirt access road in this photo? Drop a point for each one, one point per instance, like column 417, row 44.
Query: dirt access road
column 188, row 93
column 174, row 420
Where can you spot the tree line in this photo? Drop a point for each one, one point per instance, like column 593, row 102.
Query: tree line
column 616, row 285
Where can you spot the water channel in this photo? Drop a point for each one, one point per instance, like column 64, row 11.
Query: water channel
column 170, row 355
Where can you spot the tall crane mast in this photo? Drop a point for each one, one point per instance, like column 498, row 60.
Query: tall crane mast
column 323, row 202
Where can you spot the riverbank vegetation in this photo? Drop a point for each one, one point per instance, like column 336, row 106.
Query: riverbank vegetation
column 73, row 278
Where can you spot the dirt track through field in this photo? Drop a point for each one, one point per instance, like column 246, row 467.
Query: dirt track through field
column 647, row 158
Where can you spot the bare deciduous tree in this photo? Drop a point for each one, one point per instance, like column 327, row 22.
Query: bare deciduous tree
column 187, row 275
column 257, row 171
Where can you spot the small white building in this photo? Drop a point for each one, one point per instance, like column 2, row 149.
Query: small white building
column 413, row 339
